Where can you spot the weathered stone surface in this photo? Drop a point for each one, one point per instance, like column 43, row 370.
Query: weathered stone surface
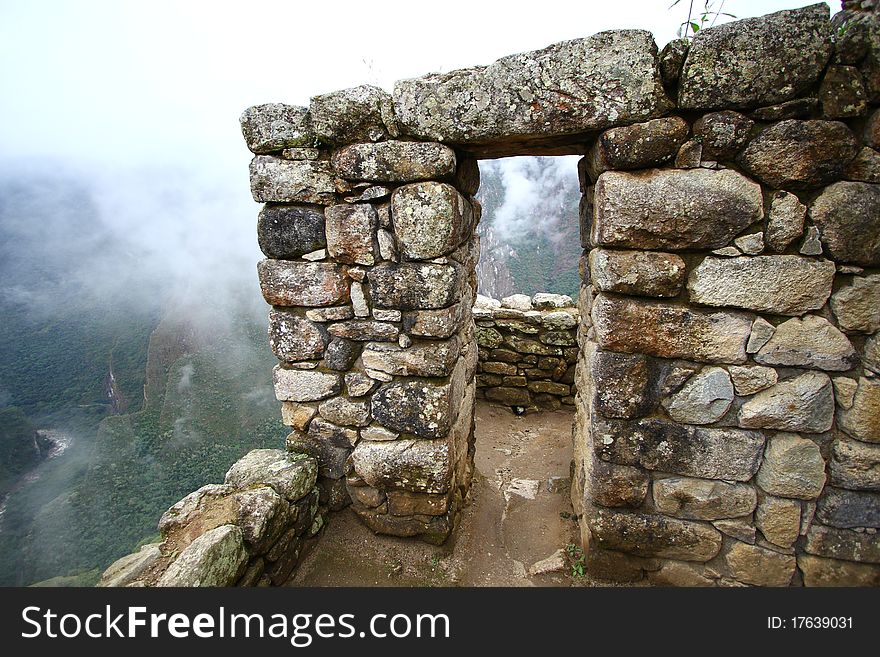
column 437, row 323
column 517, row 302
column 186, row 510
column 301, row 153
column 341, row 354
column 406, row 503
column 394, row 161
column 431, row 219
column 779, row 520
column 848, row 509
column 671, row 60
column 673, row 208
column 509, row 396
column 428, row 359
column 559, row 320
column 292, row 476
column 641, row 273
column 756, row 61
column 810, row 341
column 799, row 108
column 689, row 155
column 855, row 465
column 844, row 390
column 785, row 222
column 747, row 380
column 755, row 565
column 729, row 454
column 297, row 415
column 421, row 466
column 328, row 444
column 418, row 408
column 703, row 499
column 216, row 558
column 351, row 229
column 127, row 569
column 286, row 283
column 376, row 432
column 304, row 385
column 361, row 113
column 637, row 146
column 857, row 306
column 778, row 284
column 845, row 214
column 865, row 167
column 559, row 338
column 623, row 384
column 344, row 411
column 261, row 516
column 430, row 529
column 290, row 231
column 608, row 484
column 358, row 385
column 703, row 399
column 549, row 387
column 792, row 467
column 862, row 419
column 334, row 314
column 812, row 244
column 842, row 544
column 723, row 134
column 649, row 535
column 871, row 133
column 842, row 93
column 273, row 127
column 751, row 244
column 293, row 338
column 526, row 346
column 871, row 353
column 741, row 529
column 276, row 180
column 831, row 572
column 800, row 154
column 667, row 331
column 762, row 331
column 548, row 301
column 560, row 90
column 803, row 403
column 363, row 330
column 680, row 573
column 415, row 286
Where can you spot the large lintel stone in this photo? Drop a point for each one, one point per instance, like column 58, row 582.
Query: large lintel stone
column 275, row 180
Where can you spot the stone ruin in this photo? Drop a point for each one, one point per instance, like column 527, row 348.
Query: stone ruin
column 726, row 336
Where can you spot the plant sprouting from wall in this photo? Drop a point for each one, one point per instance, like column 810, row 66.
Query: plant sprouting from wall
column 701, row 19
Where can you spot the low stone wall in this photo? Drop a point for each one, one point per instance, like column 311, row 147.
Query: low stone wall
column 527, row 350
column 249, row 531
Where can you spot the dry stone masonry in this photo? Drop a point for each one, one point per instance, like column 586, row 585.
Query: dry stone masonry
column 726, row 333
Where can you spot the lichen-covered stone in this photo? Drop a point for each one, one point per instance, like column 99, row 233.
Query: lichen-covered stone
column 561, row 90
column 276, row 180
column 723, row 134
column 759, row 566
column 842, row 93
column 272, row 127
column 293, row 338
column 709, row 453
column 803, row 403
column 651, row 535
column 845, row 214
column 640, row 273
column 415, row 286
column 668, row 331
column 796, row 154
column 346, row 412
column 673, row 208
column 290, row 231
column 811, row 341
column 304, row 385
column 637, row 146
column 361, row 113
column 857, row 306
column 351, row 230
column 792, row 467
column 421, row 466
column 862, row 419
column 419, row 408
column 818, row 571
column 780, row 284
column 129, row 568
column 703, row 399
column 855, row 465
column 747, row 380
column 785, row 222
column 612, row 485
column 865, row 167
column 428, row 359
column 848, row 509
column 671, row 60
column 291, row 476
column 799, row 108
column 844, row 544
column 779, row 519
column 703, row 499
column 756, row 61
column 287, row 283
column 623, row 384
column 431, row 219
column 216, row 558
column 394, row 161
column 364, row 329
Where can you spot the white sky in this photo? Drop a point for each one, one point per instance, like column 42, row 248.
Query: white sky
column 119, row 82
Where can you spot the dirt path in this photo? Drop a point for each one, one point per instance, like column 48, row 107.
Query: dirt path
column 511, row 522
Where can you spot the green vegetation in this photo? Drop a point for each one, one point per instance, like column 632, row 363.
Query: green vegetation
column 576, row 560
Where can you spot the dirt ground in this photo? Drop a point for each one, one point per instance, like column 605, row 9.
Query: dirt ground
column 512, row 519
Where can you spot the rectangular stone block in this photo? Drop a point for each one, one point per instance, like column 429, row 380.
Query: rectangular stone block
column 351, row 228
column 286, row 283
column 276, row 180
column 304, row 385
column 421, row 466
column 423, row 359
column 842, row 544
column 415, row 286
column 657, row 329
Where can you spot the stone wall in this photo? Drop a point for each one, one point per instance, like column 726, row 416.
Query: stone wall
column 248, row 531
column 527, row 350
column 727, row 401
